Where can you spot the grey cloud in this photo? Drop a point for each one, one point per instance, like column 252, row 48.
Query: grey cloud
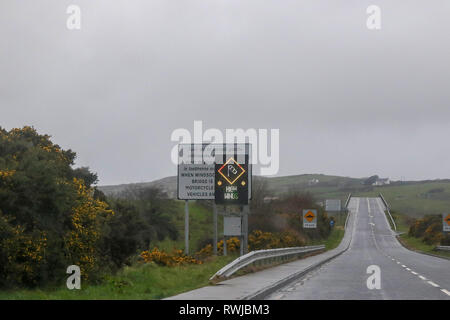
column 346, row 100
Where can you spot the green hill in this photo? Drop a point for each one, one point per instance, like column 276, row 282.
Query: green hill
column 414, row 198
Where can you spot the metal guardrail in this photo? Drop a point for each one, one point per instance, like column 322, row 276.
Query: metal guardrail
column 346, row 208
column 263, row 256
column 389, row 212
column 443, row 248
column 348, row 200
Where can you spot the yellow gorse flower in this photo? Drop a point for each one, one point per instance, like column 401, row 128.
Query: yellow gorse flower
column 7, row 173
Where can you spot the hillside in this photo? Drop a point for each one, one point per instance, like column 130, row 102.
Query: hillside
column 414, row 198
column 278, row 185
column 168, row 185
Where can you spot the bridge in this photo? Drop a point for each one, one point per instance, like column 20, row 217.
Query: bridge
column 344, row 272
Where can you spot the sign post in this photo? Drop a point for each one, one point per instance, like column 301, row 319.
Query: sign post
column 446, row 222
column 231, row 183
column 232, row 226
column 224, row 245
column 186, row 227
column 197, row 164
column 199, row 167
column 245, row 229
column 215, row 229
column 309, row 219
column 334, row 205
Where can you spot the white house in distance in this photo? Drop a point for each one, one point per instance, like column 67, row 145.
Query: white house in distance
column 270, row 199
column 382, row 182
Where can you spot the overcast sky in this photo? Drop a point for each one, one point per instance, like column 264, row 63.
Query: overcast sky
column 347, row 100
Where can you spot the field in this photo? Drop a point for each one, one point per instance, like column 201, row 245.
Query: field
column 416, row 199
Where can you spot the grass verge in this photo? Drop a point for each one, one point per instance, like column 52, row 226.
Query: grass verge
column 150, row 281
column 416, row 244
column 142, row 282
column 403, row 223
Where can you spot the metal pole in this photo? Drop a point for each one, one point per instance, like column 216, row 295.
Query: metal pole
column 241, row 238
column 224, row 245
column 245, row 223
column 215, row 229
column 186, row 227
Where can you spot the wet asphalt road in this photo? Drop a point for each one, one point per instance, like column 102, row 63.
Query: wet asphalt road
column 404, row 274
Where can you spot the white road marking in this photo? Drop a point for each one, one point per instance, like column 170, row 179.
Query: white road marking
column 433, row 284
column 398, row 262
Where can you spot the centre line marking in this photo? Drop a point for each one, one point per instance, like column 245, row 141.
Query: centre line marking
column 446, row 292
column 433, row 284
column 422, row 277
column 408, row 269
column 403, row 266
column 415, row 273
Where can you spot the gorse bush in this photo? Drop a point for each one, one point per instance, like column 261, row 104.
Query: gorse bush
column 51, row 216
column 82, row 241
column 259, row 240
column 429, row 228
column 163, row 258
column 233, row 245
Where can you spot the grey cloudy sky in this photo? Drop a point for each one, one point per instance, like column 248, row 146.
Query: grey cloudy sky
column 347, row 100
